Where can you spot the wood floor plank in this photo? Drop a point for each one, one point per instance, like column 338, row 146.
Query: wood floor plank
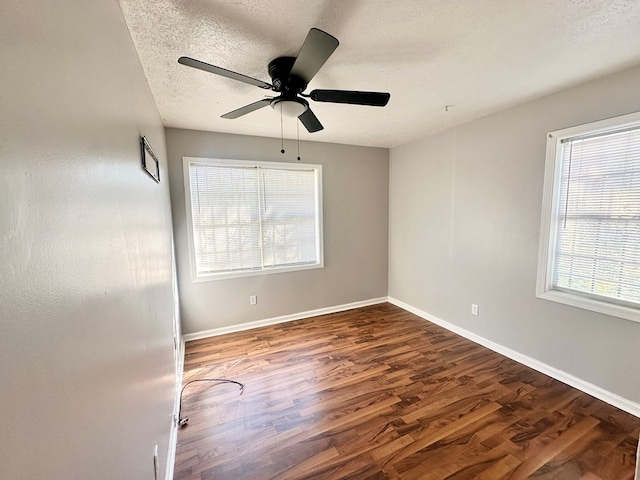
column 378, row 393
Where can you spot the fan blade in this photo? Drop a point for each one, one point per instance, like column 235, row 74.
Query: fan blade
column 190, row 62
column 310, row 121
column 375, row 99
column 247, row 108
column 316, row 49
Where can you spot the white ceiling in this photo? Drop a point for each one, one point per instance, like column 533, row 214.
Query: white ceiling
column 479, row 56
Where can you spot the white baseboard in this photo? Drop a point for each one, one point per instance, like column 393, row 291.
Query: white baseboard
column 173, row 435
column 637, row 476
column 582, row 385
column 285, row 318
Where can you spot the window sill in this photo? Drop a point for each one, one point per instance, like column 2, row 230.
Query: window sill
column 253, row 273
column 593, row 305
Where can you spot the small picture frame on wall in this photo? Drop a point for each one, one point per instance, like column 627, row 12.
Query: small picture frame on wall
column 149, row 160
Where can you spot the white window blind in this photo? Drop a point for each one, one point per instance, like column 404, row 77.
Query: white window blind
column 597, row 221
column 253, row 217
column 288, row 213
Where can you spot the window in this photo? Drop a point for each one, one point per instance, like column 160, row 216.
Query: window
column 249, row 218
column 590, row 237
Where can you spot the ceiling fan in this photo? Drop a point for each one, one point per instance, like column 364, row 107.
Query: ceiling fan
column 290, row 77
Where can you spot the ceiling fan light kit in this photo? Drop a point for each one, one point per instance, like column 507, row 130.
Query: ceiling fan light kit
column 290, row 77
column 293, row 107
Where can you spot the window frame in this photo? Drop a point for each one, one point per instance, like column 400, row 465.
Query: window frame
column 550, row 207
column 195, row 278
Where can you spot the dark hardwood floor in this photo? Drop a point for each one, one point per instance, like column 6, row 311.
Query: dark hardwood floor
column 378, row 393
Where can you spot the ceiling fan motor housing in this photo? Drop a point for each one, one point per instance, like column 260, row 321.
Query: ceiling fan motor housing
column 283, row 81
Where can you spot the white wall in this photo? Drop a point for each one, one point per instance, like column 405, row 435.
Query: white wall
column 465, row 209
column 86, row 361
column 356, row 202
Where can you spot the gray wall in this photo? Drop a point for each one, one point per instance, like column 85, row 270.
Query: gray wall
column 355, row 194
column 87, row 374
column 465, row 209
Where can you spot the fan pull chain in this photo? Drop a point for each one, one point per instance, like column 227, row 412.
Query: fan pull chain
column 281, row 132
column 298, row 136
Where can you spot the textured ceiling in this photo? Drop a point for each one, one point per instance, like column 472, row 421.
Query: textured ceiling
column 478, row 56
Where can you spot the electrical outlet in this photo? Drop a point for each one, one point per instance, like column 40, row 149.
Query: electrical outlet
column 156, row 462
column 474, row 309
column 253, row 300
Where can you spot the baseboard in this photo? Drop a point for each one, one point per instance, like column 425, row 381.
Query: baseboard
column 285, row 318
column 173, row 435
column 637, row 476
column 582, row 385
